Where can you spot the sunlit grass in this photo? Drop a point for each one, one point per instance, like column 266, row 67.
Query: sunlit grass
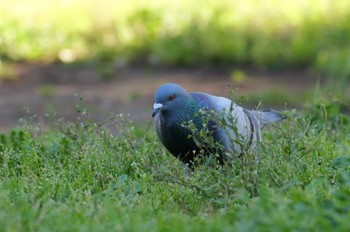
column 274, row 34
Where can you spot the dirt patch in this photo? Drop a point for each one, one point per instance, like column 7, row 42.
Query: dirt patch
column 56, row 87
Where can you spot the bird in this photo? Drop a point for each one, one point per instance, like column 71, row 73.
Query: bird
column 182, row 117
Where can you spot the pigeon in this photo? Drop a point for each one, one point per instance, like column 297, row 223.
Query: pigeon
column 181, row 116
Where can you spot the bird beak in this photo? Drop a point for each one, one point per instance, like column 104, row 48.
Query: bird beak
column 156, row 108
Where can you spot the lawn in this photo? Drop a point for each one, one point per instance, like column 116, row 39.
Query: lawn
column 84, row 175
column 77, row 176
column 272, row 34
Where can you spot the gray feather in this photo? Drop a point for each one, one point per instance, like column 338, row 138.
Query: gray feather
column 267, row 116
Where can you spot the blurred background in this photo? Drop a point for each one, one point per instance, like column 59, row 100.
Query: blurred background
column 110, row 56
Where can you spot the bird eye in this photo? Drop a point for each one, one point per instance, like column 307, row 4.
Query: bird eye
column 171, row 97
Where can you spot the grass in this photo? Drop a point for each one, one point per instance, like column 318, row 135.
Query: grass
column 78, row 176
column 267, row 34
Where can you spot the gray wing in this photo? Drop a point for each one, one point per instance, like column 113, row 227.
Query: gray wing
column 238, row 129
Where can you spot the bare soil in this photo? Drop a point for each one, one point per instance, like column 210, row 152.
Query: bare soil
column 56, row 87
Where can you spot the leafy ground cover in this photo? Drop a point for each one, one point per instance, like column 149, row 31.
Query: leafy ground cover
column 78, row 176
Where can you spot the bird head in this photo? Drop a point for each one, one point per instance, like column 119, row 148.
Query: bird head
column 167, row 97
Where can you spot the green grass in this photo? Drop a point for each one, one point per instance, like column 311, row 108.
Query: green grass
column 79, row 177
column 268, row 34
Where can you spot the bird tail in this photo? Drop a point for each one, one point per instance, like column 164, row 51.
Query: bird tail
column 268, row 116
